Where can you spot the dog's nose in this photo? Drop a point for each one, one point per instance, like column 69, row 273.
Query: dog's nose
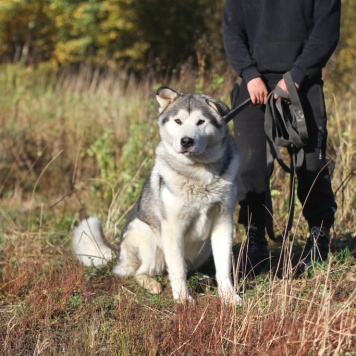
column 186, row 142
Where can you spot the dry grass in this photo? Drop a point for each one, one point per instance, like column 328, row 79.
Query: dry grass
column 52, row 305
column 74, row 145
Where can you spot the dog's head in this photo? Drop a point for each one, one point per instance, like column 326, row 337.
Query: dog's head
column 192, row 124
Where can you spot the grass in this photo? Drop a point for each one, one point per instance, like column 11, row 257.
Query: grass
column 72, row 146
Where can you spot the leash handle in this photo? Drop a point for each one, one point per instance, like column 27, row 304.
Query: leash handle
column 293, row 96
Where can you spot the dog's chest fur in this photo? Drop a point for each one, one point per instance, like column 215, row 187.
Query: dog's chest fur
column 202, row 188
column 194, row 201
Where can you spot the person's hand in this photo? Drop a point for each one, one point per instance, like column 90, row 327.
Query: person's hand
column 258, row 91
column 283, row 86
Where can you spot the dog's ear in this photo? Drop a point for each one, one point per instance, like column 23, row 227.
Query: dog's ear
column 219, row 106
column 165, row 96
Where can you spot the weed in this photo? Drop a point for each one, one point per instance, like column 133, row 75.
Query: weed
column 74, row 302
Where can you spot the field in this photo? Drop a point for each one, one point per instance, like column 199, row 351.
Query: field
column 81, row 143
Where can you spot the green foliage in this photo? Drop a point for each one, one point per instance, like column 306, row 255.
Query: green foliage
column 74, row 302
column 106, row 31
column 137, row 159
column 342, row 255
column 218, row 81
column 102, row 149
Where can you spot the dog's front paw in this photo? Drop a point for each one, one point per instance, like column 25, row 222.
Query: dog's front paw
column 228, row 296
column 238, row 300
column 187, row 300
column 183, row 298
column 151, row 285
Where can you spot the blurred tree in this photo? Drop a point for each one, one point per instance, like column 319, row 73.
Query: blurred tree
column 342, row 65
column 171, row 28
column 76, row 24
column 25, row 31
column 144, row 33
column 141, row 34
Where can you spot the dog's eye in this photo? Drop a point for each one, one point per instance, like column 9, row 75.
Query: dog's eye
column 178, row 121
column 200, row 122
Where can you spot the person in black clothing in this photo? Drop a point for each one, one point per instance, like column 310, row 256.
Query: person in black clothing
column 264, row 39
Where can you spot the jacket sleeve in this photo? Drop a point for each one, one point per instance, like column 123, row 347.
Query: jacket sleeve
column 235, row 41
column 321, row 42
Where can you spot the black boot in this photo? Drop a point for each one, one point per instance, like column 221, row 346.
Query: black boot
column 317, row 247
column 254, row 253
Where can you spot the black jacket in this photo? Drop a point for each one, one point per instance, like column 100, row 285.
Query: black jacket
column 277, row 36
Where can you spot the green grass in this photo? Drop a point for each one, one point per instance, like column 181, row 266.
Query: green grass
column 69, row 149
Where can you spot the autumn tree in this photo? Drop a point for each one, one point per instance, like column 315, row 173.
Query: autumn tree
column 342, row 65
column 140, row 34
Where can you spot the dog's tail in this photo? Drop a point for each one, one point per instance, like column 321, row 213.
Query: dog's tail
column 89, row 243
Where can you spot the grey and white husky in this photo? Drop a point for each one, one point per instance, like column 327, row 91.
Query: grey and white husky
column 185, row 210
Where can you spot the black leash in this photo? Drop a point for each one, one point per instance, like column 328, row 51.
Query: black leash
column 232, row 113
column 285, row 126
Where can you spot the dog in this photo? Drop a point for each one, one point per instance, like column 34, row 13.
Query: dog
column 185, row 211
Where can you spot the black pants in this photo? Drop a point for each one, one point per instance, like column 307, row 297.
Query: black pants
column 314, row 186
